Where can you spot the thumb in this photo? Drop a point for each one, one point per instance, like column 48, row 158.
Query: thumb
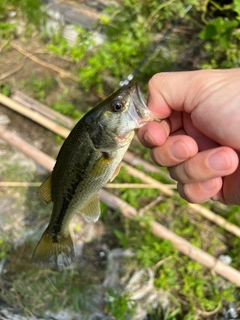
column 168, row 91
column 183, row 91
column 211, row 97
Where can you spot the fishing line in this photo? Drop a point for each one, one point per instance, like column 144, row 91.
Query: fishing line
column 151, row 52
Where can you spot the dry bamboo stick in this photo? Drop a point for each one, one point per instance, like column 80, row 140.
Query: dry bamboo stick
column 62, row 72
column 150, row 205
column 19, row 184
column 33, row 104
column 3, row 45
column 135, row 160
column 136, row 185
column 34, row 116
column 128, row 211
column 220, row 221
column 108, row 185
column 38, row 156
column 142, row 176
column 208, row 214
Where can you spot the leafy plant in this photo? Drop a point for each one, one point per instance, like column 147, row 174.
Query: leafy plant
column 4, row 247
column 222, row 33
column 5, row 89
column 76, row 52
column 120, row 306
column 7, row 30
column 221, row 29
column 66, row 108
column 122, row 48
column 31, row 9
column 123, row 239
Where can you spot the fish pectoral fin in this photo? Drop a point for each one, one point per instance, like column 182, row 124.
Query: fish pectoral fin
column 101, row 166
column 91, row 210
column 116, row 172
column 45, row 190
column 54, row 249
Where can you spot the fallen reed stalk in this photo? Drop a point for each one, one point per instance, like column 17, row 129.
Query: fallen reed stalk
column 34, row 116
column 107, row 186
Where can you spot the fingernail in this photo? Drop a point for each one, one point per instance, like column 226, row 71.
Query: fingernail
column 219, row 161
column 179, row 150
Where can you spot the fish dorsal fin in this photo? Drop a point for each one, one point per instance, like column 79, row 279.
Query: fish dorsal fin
column 91, row 210
column 115, row 173
column 45, row 190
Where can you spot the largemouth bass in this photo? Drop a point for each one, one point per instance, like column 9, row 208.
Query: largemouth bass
column 89, row 158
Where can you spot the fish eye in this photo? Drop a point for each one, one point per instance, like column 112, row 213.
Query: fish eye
column 116, row 105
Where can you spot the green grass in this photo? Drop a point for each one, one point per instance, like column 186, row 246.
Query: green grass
column 63, row 105
column 38, row 87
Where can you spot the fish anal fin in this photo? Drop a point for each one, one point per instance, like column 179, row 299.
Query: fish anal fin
column 116, row 172
column 91, row 210
column 45, row 190
column 55, row 250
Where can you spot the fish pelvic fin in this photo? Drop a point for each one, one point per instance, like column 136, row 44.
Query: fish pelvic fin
column 54, row 250
column 116, row 172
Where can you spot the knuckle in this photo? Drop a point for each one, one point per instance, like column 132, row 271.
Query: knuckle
column 172, row 173
column 157, row 79
column 160, row 157
column 183, row 190
column 187, row 193
column 189, row 172
column 183, row 173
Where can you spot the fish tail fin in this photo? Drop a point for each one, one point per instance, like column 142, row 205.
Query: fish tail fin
column 54, row 249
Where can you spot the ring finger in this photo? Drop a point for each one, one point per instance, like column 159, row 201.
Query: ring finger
column 206, row 165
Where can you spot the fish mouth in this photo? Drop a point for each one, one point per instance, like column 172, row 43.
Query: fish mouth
column 138, row 109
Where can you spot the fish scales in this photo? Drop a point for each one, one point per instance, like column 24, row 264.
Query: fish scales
column 88, row 159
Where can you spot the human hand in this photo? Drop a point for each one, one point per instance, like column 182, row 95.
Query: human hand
column 199, row 140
